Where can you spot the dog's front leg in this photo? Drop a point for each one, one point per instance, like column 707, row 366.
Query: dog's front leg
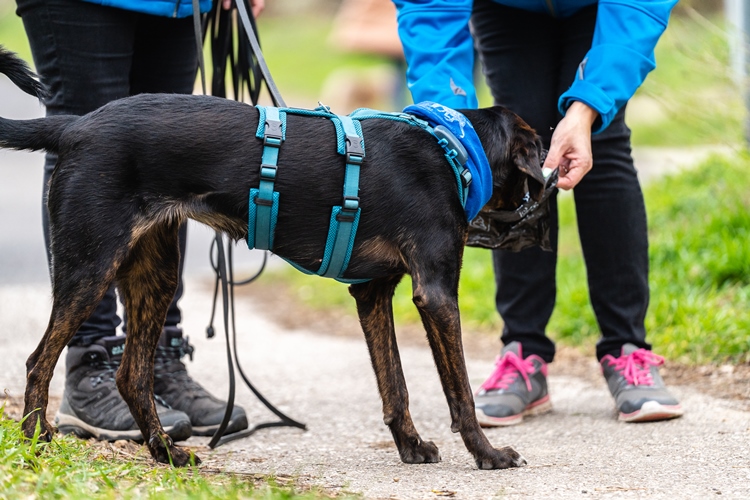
column 374, row 305
column 437, row 301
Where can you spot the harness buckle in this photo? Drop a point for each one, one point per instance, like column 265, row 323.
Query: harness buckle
column 348, row 209
column 354, row 152
column 272, row 135
column 268, row 172
column 263, row 202
column 466, row 177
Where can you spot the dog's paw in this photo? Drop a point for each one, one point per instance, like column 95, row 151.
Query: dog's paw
column 29, row 427
column 165, row 452
column 424, row 452
column 503, row 458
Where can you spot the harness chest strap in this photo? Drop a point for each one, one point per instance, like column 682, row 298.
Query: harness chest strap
column 263, row 208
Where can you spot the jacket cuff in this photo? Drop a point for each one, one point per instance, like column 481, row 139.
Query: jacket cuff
column 592, row 96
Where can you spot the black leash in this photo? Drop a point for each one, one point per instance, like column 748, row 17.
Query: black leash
column 248, row 70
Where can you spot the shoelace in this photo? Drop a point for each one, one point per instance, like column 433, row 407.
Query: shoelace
column 636, row 366
column 109, row 372
column 508, row 367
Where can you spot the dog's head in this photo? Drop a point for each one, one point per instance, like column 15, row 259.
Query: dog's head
column 514, row 151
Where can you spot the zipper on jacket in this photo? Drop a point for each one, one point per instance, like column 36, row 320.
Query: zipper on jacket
column 551, row 7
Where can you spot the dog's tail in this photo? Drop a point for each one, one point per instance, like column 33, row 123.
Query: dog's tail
column 41, row 133
column 19, row 73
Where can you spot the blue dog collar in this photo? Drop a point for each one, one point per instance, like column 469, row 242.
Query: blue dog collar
column 480, row 190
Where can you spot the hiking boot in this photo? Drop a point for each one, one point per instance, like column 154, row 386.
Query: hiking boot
column 91, row 405
column 638, row 389
column 173, row 384
column 516, row 388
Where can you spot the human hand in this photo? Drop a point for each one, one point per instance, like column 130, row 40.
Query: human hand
column 570, row 147
column 257, row 6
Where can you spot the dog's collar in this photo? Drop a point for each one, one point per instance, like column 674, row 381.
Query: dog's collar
column 461, row 128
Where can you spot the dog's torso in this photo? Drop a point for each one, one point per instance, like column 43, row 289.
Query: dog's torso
column 199, row 157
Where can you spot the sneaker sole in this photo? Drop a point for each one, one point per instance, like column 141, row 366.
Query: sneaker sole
column 68, row 424
column 236, row 425
column 539, row 407
column 652, row 411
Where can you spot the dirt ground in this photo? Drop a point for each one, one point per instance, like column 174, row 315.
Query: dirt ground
column 723, row 381
column 314, row 366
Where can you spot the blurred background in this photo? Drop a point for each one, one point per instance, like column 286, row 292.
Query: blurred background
column 346, row 54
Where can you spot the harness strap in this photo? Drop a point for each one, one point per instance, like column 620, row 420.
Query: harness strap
column 345, row 218
column 263, row 209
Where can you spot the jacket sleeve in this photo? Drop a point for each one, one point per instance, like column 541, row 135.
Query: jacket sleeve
column 621, row 55
column 439, row 50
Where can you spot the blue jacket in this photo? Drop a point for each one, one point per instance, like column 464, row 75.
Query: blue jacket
column 168, row 8
column 439, row 50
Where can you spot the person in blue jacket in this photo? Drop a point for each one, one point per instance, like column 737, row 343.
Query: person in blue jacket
column 568, row 68
column 88, row 53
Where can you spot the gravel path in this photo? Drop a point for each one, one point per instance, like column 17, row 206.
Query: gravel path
column 326, row 381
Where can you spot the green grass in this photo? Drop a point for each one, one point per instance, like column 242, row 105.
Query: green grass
column 693, row 88
column 71, row 468
column 699, row 226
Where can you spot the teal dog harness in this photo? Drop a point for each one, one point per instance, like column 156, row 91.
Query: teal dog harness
column 263, row 204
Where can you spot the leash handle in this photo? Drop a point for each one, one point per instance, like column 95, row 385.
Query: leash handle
column 245, row 17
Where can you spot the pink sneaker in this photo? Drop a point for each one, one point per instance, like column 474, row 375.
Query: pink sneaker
column 516, row 388
column 638, row 389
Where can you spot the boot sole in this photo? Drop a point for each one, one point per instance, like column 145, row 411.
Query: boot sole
column 652, row 411
column 68, row 424
column 236, row 425
column 538, row 407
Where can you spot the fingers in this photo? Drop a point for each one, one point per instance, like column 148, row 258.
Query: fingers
column 570, row 147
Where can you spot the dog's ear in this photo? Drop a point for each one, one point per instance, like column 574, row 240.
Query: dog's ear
column 528, row 158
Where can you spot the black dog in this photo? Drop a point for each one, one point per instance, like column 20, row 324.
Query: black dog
column 130, row 172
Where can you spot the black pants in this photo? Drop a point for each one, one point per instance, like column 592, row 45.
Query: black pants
column 529, row 60
column 88, row 55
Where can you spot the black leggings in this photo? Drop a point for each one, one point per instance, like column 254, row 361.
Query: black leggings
column 529, row 60
column 89, row 55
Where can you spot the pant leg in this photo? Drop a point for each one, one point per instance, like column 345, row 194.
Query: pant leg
column 521, row 58
column 83, row 53
column 611, row 217
column 165, row 61
column 608, row 197
column 616, row 258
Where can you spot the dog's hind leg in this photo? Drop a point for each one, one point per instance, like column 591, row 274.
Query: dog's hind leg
column 435, row 293
column 76, row 292
column 147, row 281
column 374, row 305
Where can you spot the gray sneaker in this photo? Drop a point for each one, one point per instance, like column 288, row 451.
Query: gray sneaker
column 638, row 389
column 91, row 405
column 174, row 386
column 517, row 388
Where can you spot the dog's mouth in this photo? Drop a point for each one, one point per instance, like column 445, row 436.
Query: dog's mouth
column 528, row 203
column 521, row 227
